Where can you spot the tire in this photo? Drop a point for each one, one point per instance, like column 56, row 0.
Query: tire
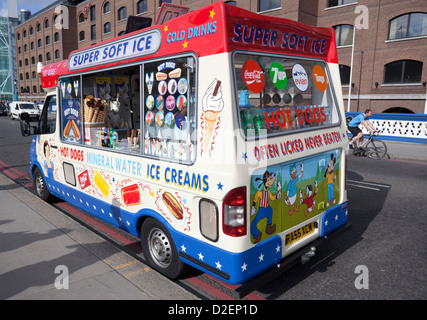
column 159, row 249
column 40, row 186
column 376, row 149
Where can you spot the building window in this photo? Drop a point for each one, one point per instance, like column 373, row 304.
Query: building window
column 27, row 76
column 121, row 33
column 164, row 1
column 46, row 24
column 55, row 20
column 32, row 45
column 40, row 58
column 31, row 30
column 34, row 89
column 264, row 5
column 141, row 6
column 25, row 48
column 33, row 60
column 56, row 37
column 20, row 64
column 39, row 43
column 336, row 3
column 39, row 27
column 107, row 27
column 81, row 35
column 25, row 34
column 57, row 54
column 47, row 40
column 408, row 26
column 34, row 74
column 93, row 32
column 122, row 13
column 81, row 17
column 344, row 35
column 403, row 71
column 92, row 13
column 107, row 7
column 26, row 62
column 48, row 57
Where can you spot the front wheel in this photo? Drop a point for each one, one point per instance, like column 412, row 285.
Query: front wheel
column 376, row 149
column 41, row 187
column 159, row 249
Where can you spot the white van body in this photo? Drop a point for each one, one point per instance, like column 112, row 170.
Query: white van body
column 18, row 107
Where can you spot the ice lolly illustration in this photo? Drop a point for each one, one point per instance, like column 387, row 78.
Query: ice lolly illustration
column 102, row 185
column 131, row 195
column 212, row 105
column 149, row 79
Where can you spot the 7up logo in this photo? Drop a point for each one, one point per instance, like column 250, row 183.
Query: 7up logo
column 278, row 76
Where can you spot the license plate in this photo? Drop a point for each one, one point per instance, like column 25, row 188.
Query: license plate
column 299, row 233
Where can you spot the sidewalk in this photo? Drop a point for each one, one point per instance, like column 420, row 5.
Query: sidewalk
column 406, row 151
column 35, row 238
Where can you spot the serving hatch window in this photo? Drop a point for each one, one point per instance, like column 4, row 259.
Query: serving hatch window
column 169, row 109
column 278, row 95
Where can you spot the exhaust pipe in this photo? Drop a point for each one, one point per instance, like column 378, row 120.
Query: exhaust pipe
column 306, row 257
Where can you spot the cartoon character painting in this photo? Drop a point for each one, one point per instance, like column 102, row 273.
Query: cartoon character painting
column 47, row 164
column 262, row 199
column 331, row 177
column 291, row 193
column 308, row 197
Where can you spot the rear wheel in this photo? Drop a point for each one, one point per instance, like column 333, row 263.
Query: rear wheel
column 159, row 249
column 40, row 186
column 376, row 149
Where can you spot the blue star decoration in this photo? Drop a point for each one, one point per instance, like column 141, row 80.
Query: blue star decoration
column 220, row 185
column 244, row 156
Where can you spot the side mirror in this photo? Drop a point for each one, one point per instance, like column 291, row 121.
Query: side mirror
column 25, row 116
column 26, row 128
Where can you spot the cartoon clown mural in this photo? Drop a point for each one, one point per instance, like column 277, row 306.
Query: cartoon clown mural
column 262, row 200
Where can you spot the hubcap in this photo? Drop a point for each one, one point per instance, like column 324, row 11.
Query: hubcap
column 160, row 249
column 39, row 185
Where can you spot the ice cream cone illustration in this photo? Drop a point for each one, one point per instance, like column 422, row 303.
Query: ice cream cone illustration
column 212, row 105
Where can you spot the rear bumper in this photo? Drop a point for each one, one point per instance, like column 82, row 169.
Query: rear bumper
column 262, row 262
column 289, row 261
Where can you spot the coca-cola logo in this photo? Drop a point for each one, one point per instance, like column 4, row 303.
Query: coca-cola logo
column 84, row 179
column 253, row 76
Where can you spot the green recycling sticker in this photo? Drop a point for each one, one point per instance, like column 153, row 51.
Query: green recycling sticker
column 278, row 75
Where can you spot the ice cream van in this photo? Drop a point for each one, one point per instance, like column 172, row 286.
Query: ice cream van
column 217, row 137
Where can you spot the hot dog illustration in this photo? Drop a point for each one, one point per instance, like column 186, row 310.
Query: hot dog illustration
column 173, row 205
column 67, row 129
column 75, row 129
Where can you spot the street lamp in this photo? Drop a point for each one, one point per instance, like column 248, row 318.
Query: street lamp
column 15, row 84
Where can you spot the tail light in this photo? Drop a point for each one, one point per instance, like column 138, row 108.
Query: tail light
column 234, row 213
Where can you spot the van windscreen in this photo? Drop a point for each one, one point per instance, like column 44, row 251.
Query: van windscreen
column 279, row 95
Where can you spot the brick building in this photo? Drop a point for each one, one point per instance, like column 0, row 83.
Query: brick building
column 390, row 40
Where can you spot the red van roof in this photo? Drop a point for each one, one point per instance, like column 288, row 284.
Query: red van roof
column 213, row 29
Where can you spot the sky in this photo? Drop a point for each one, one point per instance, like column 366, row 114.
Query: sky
column 32, row 5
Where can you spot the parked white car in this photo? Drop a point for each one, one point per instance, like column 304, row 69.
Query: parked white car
column 18, row 107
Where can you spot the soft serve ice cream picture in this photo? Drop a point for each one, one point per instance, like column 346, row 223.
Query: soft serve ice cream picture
column 212, row 105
